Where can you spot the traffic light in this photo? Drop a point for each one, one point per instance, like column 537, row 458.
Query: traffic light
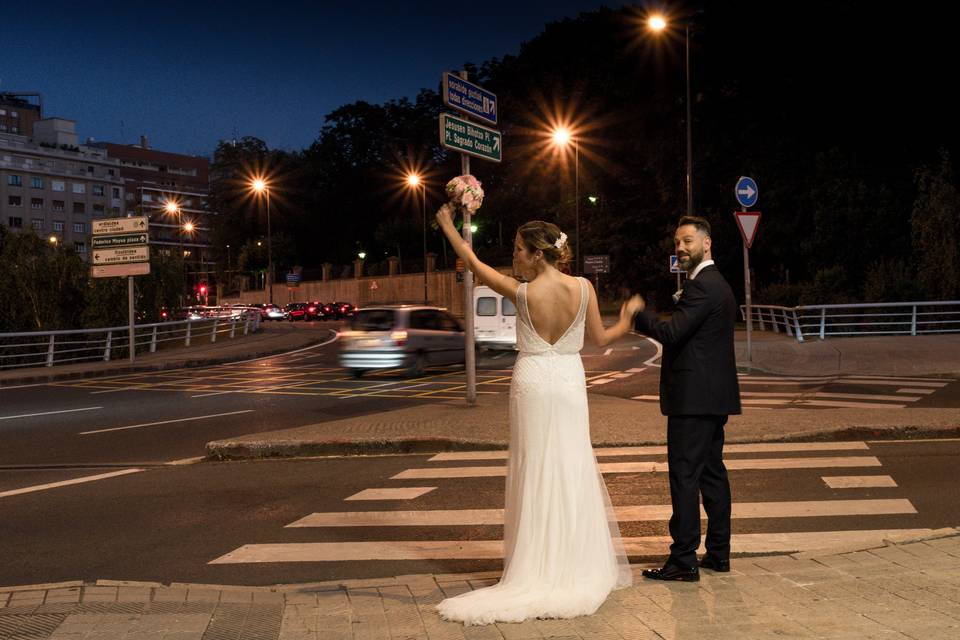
column 203, row 289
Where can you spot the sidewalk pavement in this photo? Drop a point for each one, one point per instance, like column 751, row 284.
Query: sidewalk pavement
column 271, row 339
column 907, row 588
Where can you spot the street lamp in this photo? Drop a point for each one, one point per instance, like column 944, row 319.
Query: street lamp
column 561, row 138
column 362, row 255
column 414, row 181
column 53, row 240
column 658, row 24
column 262, row 188
column 172, row 207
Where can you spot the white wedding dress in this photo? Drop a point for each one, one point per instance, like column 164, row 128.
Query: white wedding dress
column 562, row 548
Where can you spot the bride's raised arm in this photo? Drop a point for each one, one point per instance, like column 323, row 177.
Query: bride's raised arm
column 502, row 284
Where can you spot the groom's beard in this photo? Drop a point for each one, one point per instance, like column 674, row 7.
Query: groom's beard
column 690, row 261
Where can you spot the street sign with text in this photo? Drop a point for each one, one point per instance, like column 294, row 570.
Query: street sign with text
column 120, row 225
column 122, row 240
column 120, row 255
column 469, row 98
column 596, row 264
column 468, row 137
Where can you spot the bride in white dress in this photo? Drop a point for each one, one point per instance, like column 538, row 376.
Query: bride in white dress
column 562, row 548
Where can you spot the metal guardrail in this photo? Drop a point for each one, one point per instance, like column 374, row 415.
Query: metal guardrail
column 51, row 348
column 878, row 318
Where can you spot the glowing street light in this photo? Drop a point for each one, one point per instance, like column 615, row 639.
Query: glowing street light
column 658, row 24
column 54, row 240
column 188, row 227
column 414, row 181
column 473, row 228
column 261, row 187
column 562, row 136
column 362, row 255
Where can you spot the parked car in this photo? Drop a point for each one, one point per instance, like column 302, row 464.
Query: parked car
column 342, row 310
column 296, row 311
column 315, row 311
column 410, row 337
column 274, row 312
column 494, row 320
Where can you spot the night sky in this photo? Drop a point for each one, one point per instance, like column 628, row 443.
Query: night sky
column 189, row 74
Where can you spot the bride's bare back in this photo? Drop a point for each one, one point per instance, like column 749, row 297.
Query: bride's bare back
column 553, row 302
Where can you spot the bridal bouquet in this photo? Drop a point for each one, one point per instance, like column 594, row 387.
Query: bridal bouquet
column 465, row 193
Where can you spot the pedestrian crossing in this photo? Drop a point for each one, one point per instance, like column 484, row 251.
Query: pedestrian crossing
column 399, row 521
column 831, row 392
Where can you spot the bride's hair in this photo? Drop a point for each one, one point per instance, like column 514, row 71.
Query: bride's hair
column 541, row 235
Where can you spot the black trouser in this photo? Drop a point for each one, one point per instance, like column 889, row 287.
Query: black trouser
column 695, row 456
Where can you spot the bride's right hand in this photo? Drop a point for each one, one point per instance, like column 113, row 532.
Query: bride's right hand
column 445, row 215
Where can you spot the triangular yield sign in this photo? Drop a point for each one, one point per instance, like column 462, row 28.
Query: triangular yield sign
column 748, row 221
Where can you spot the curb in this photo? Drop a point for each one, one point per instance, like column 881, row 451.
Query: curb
column 180, row 364
column 230, row 450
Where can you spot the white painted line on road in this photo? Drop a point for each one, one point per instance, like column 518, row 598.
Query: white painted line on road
column 65, row 483
column 151, row 424
column 651, row 398
column 621, row 375
column 47, row 413
column 651, row 467
column 215, row 393
column 649, row 362
column 608, row 351
column 824, row 394
column 924, row 391
column 858, row 482
column 600, row 381
column 404, row 493
column 185, row 461
column 636, row 370
column 850, row 405
column 906, row 379
column 762, row 447
column 493, row 549
column 631, row 513
column 892, row 383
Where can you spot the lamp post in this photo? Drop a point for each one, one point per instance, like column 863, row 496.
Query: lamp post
column 260, row 186
column 172, row 207
column 414, row 181
column 658, row 24
column 562, row 137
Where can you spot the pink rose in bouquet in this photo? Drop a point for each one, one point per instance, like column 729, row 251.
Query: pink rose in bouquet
column 465, row 192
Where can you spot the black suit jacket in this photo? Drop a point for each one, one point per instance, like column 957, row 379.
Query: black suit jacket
column 698, row 371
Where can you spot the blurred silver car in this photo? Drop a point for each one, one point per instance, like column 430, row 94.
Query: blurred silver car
column 410, row 337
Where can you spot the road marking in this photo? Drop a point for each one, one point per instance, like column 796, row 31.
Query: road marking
column 892, row 383
column 636, row 370
column 404, row 493
column 634, row 513
column 850, row 405
column 763, row 447
column 47, row 413
column 652, row 467
column 659, row 354
column 493, row 549
column 64, row 483
column 600, row 381
column 151, row 424
column 785, row 400
column 926, row 391
column 824, row 394
column 857, row 482
column 185, row 461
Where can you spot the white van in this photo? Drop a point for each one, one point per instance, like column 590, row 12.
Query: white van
column 494, row 320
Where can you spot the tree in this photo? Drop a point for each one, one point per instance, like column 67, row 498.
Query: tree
column 936, row 230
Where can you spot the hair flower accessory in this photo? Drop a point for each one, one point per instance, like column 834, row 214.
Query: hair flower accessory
column 465, row 192
column 562, row 240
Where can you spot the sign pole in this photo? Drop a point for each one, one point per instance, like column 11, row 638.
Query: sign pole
column 130, row 314
column 470, row 355
column 746, row 288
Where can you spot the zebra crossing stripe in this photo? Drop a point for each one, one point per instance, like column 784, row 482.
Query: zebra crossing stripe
column 630, row 513
column 761, row 447
column 858, row 482
column 493, row 549
column 651, row 467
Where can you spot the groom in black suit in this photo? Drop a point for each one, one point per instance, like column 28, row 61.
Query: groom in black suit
column 698, row 391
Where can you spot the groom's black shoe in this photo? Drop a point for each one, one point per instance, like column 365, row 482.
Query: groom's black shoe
column 674, row 572
column 715, row 564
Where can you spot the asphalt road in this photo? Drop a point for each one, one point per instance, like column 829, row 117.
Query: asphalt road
column 204, row 522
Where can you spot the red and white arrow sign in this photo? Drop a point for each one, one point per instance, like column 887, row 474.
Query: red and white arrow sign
column 748, row 221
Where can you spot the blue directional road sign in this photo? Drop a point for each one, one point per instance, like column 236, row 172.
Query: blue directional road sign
column 675, row 265
column 747, row 192
column 468, row 98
